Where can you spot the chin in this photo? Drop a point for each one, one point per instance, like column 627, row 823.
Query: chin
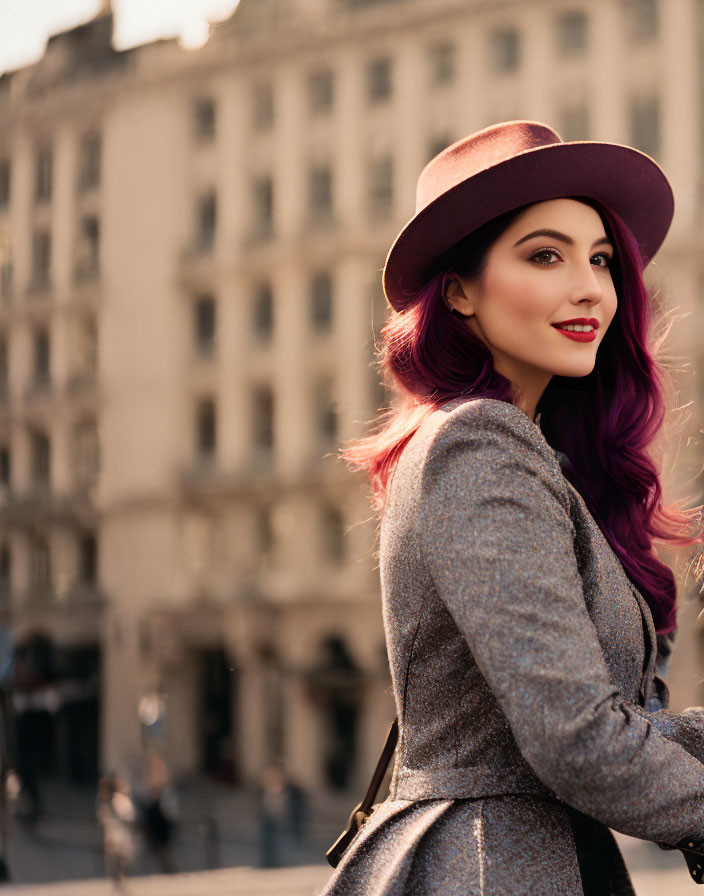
column 575, row 370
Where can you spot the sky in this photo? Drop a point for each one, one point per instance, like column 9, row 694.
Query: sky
column 25, row 25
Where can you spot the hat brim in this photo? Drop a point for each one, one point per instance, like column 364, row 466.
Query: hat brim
column 625, row 180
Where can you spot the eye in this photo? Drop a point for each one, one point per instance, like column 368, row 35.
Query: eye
column 542, row 256
column 605, row 259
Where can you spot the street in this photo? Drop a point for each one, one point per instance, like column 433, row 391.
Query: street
column 62, row 855
column 217, row 828
column 305, row 881
column 309, row 880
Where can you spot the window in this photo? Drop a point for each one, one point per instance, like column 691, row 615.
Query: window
column 85, row 348
column 5, row 573
column 41, row 357
column 505, row 48
column 41, row 259
column 571, row 31
column 326, row 412
column 442, row 64
column 88, row 559
column 263, row 312
column 641, row 19
column 320, row 194
column 263, row 190
column 379, row 84
column 333, row 533
column 206, row 428
column 204, row 324
column 263, row 419
column 380, row 180
column 5, row 466
column 645, row 125
column 574, row 122
column 4, row 183
column 40, row 564
column 6, row 281
column 41, row 458
column 206, row 212
column 204, row 119
column 43, row 173
column 88, row 249
column 263, row 107
column 265, row 530
column 4, row 367
column 321, row 92
column 85, row 456
column 321, row 301
column 89, row 162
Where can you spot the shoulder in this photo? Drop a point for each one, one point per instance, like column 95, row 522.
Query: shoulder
column 490, row 423
column 478, row 441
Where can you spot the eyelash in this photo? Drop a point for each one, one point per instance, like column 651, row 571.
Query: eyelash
column 607, row 258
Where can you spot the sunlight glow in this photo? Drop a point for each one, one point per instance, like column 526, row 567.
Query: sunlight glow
column 194, row 34
column 25, row 26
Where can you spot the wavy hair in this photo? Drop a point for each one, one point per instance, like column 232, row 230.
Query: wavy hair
column 604, row 422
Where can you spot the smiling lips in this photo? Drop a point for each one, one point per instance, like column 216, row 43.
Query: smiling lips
column 581, row 329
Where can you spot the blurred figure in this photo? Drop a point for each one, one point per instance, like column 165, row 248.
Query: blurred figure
column 209, row 831
column 298, row 814
column 29, row 734
column 272, row 815
column 158, row 814
column 283, row 816
column 116, row 816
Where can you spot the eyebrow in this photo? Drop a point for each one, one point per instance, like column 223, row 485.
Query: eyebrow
column 556, row 235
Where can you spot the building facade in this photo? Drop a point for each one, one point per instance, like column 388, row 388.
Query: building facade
column 192, row 245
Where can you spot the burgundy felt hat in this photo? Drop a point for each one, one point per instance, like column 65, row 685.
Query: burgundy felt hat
column 512, row 164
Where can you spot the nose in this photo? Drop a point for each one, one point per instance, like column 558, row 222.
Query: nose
column 587, row 285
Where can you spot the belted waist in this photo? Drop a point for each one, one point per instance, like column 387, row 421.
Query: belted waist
column 463, row 783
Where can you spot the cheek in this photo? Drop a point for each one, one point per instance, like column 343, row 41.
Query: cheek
column 610, row 306
column 514, row 298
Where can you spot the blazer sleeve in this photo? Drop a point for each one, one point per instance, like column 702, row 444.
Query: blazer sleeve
column 497, row 538
column 684, row 728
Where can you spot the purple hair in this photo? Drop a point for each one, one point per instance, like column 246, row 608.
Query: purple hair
column 604, row 422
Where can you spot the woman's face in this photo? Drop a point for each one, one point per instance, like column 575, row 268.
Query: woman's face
column 549, row 271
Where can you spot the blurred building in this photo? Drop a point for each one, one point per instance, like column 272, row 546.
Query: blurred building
column 192, row 244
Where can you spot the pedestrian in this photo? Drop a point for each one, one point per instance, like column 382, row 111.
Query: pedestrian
column 116, row 816
column 159, row 814
column 273, row 815
column 298, row 811
column 520, row 502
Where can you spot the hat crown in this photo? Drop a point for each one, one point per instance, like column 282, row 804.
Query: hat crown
column 486, row 148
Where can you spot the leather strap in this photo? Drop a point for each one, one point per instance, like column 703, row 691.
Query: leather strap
column 361, row 812
column 381, row 767
column 695, row 863
column 693, row 852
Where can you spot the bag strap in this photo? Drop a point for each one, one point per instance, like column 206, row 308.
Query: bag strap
column 362, row 810
column 693, row 852
column 381, row 767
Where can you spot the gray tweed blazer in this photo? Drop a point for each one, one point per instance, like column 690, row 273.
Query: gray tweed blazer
column 522, row 660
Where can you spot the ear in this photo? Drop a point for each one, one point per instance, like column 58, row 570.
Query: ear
column 458, row 295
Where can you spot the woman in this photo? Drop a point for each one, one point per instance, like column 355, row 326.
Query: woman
column 116, row 816
column 519, row 510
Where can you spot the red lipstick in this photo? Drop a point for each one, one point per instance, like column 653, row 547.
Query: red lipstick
column 582, row 335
